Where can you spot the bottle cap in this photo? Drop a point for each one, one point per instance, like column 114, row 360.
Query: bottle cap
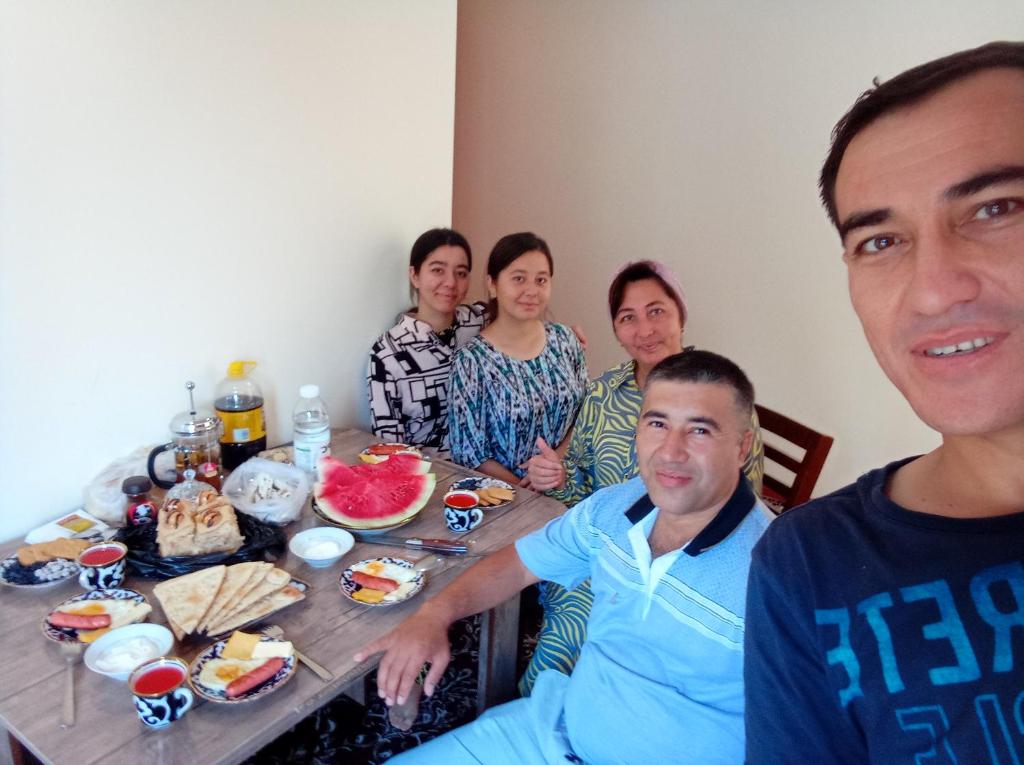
column 309, row 391
column 136, row 484
column 237, row 369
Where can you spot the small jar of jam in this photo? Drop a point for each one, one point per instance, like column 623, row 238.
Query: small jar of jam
column 141, row 509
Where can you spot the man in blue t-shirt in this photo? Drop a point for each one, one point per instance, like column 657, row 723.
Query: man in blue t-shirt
column 660, row 676
column 886, row 621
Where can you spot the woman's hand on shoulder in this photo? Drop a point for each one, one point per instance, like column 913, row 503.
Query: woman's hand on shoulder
column 578, row 331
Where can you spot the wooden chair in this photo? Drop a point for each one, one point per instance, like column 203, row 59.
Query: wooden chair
column 805, row 471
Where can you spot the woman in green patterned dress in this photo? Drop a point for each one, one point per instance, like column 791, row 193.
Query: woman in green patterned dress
column 648, row 312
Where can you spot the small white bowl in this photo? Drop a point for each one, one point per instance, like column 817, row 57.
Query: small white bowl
column 321, row 546
column 159, row 635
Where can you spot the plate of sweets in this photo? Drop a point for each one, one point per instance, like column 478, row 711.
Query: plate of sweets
column 493, row 492
column 243, row 668
column 43, row 565
column 381, row 581
column 89, row 616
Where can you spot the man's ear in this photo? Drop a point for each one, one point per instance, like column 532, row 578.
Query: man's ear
column 745, row 442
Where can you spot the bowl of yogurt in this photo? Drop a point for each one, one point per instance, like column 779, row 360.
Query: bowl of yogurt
column 321, row 546
column 121, row 650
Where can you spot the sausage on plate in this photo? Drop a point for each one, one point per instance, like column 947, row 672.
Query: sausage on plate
column 254, row 678
column 79, row 621
column 374, row 582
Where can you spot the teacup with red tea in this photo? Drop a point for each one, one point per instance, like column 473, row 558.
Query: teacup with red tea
column 159, row 691
column 462, row 510
column 102, row 566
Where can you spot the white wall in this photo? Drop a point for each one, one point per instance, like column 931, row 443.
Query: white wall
column 693, row 132
column 183, row 184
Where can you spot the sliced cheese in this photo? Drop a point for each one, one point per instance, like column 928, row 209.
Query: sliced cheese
column 366, row 595
column 273, row 649
column 240, row 645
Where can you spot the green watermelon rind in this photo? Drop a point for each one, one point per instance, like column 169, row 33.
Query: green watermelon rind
column 415, row 505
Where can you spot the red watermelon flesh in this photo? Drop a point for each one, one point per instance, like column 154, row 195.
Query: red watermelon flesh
column 398, row 464
column 332, row 470
column 372, row 497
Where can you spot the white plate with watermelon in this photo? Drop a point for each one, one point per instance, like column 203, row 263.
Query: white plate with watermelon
column 367, row 498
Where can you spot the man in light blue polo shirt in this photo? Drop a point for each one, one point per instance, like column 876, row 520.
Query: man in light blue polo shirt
column 660, row 676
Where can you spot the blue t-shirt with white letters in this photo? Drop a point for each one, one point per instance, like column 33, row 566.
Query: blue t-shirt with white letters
column 883, row 635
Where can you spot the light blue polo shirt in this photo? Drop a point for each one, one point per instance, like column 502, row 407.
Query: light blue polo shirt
column 660, row 676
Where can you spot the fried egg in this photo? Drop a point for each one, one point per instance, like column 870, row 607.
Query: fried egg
column 121, row 612
column 395, row 573
column 97, row 607
column 216, row 674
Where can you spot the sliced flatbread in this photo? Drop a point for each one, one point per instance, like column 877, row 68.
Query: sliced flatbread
column 259, row 573
column 275, row 579
column 235, row 579
column 179, row 633
column 186, row 599
column 275, row 601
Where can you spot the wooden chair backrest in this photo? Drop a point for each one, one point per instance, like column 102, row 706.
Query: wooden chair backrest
column 805, row 471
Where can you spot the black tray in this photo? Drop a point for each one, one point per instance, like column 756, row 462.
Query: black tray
column 262, row 542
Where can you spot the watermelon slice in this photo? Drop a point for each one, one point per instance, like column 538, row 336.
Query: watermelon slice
column 398, row 464
column 373, row 496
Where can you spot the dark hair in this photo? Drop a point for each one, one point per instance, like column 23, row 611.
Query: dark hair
column 429, row 241
column 638, row 272
column 508, row 249
column 903, row 90
column 709, row 368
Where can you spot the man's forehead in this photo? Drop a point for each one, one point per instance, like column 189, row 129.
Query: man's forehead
column 688, row 399
column 967, row 127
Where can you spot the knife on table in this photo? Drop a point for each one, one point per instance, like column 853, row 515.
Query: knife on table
column 447, row 546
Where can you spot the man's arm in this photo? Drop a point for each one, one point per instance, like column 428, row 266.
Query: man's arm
column 423, row 636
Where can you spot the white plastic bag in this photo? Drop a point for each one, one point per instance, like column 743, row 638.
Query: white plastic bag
column 245, row 483
column 103, row 496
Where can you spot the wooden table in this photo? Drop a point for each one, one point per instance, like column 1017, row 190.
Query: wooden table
column 326, row 626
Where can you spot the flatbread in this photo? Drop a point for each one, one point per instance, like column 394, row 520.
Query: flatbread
column 258, row 575
column 179, row 633
column 274, row 580
column 236, row 578
column 275, row 601
column 186, row 599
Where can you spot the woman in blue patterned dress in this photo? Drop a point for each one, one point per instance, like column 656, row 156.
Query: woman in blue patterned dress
column 522, row 378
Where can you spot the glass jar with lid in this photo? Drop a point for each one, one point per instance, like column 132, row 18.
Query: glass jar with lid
column 196, row 443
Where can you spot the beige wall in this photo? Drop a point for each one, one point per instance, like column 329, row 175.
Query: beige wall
column 693, row 132
column 186, row 183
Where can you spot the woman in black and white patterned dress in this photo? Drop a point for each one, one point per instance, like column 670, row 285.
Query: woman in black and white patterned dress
column 407, row 377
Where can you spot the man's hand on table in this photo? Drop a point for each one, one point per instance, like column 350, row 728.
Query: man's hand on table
column 421, row 638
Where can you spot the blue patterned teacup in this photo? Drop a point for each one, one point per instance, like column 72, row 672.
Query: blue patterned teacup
column 102, row 566
column 158, row 692
column 462, row 510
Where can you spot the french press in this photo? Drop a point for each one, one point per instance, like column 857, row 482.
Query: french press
column 196, row 446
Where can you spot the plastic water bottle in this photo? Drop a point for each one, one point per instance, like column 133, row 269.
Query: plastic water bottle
column 312, row 428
